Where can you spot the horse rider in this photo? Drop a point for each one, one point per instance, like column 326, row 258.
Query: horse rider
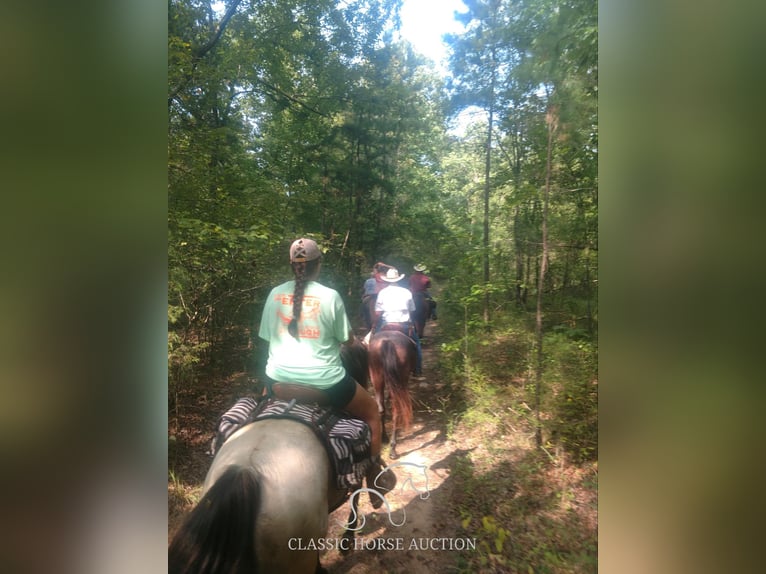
column 419, row 284
column 305, row 323
column 393, row 311
column 372, row 287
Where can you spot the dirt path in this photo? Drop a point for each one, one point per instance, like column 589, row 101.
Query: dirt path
column 419, row 534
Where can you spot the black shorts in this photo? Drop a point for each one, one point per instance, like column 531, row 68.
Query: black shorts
column 342, row 392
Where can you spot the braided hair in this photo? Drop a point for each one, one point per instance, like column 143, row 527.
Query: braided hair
column 301, row 270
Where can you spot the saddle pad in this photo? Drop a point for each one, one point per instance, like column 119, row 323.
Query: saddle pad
column 347, row 439
column 235, row 418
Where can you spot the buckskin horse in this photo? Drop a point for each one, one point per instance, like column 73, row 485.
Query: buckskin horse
column 392, row 357
column 265, row 504
column 267, row 494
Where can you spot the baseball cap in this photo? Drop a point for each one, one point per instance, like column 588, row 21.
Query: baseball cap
column 304, row 250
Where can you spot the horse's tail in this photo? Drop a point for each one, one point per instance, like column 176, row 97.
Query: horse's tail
column 219, row 534
column 397, row 377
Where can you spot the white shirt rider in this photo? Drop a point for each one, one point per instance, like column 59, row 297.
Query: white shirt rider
column 395, row 303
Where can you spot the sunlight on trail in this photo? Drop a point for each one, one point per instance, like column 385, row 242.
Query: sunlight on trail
column 420, row 458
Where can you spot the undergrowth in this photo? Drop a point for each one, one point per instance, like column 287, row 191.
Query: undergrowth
column 530, row 510
column 181, row 496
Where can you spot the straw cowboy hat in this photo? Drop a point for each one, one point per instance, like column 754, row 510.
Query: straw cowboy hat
column 392, row 276
column 420, row 268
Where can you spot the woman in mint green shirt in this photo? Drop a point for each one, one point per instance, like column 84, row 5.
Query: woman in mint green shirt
column 305, row 324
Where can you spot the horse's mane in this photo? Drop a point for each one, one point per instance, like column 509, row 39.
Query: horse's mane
column 218, row 535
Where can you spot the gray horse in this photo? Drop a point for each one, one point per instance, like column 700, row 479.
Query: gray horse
column 267, row 494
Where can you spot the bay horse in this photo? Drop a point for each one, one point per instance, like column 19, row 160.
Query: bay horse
column 392, row 357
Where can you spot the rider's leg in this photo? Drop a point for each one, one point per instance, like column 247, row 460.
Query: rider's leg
column 366, row 313
column 363, row 406
column 419, row 363
column 350, row 396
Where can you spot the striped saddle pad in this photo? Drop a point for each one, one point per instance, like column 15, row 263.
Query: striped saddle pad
column 346, row 439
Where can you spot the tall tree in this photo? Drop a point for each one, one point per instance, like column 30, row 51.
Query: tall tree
column 478, row 57
column 552, row 122
column 532, row 66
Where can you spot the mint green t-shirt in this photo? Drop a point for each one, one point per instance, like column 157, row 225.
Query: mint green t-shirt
column 314, row 358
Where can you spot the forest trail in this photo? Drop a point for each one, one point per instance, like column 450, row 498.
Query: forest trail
column 417, row 535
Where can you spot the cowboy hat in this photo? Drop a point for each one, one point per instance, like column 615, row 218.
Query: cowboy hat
column 420, row 267
column 392, row 276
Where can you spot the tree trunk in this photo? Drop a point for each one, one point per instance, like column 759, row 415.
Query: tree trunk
column 588, row 291
column 487, row 168
column 519, row 255
column 551, row 121
column 527, row 282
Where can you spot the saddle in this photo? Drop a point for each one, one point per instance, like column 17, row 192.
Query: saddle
column 301, row 393
column 346, row 439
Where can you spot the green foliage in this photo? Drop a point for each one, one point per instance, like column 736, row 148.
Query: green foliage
column 181, row 497
column 498, row 533
column 491, row 539
column 547, row 54
column 572, row 370
column 511, row 496
column 294, row 119
column 525, row 508
column 486, row 364
column 481, row 395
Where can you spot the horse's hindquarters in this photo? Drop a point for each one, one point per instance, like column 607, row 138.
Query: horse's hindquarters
column 293, row 473
column 392, row 355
